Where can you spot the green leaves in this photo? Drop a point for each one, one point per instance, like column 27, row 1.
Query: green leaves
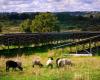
column 1, row 25
column 26, row 25
column 44, row 22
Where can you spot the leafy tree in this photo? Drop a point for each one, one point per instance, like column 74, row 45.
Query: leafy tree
column 1, row 25
column 45, row 22
column 26, row 25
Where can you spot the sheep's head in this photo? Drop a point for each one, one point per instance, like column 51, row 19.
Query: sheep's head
column 41, row 65
column 51, row 58
column 20, row 68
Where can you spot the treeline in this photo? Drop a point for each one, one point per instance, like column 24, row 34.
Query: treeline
column 17, row 16
column 14, row 19
column 67, row 20
column 84, row 21
column 62, row 16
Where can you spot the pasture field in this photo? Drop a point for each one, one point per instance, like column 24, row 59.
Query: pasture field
column 85, row 68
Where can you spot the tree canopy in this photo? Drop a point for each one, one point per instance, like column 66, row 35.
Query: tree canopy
column 44, row 22
column 26, row 25
column 1, row 25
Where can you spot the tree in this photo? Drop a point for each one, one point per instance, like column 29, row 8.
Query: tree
column 26, row 25
column 1, row 25
column 45, row 22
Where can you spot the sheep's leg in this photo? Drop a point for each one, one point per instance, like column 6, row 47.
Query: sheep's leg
column 33, row 65
column 50, row 65
column 57, row 65
column 7, row 68
column 14, row 69
column 41, row 65
column 60, row 64
column 47, row 66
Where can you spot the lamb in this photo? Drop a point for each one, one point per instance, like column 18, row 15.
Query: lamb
column 49, row 63
column 63, row 62
column 37, row 62
column 13, row 64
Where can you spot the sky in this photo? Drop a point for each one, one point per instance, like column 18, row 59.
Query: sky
column 49, row 5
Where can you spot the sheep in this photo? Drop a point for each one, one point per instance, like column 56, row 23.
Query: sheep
column 13, row 64
column 18, row 62
column 57, row 62
column 37, row 62
column 63, row 62
column 50, row 62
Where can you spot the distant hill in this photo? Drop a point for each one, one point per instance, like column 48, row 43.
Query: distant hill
column 67, row 20
column 25, row 15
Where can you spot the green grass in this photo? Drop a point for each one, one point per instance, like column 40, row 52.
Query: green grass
column 85, row 68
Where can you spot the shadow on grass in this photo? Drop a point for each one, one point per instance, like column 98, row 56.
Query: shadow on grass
column 25, row 51
column 36, row 49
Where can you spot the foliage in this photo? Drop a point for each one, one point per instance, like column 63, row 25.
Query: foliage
column 86, row 21
column 45, row 22
column 1, row 25
column 26, row 25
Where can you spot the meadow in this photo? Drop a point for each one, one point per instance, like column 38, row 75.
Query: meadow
column 85, row 68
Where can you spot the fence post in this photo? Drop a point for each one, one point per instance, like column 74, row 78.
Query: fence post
column 76, row 48
column 8, row 45
column 90, row 47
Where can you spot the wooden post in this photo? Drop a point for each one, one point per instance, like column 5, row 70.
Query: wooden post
column 90, row 46
column 19, row 45
column 76, row 48
column 70, row 49
column 73, row 38
column 8, row 45
column 97, row 48
column 83, row 46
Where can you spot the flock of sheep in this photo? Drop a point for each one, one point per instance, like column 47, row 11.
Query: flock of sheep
column 18, row 64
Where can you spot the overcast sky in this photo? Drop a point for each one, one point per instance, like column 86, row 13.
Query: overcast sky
column 48, row 5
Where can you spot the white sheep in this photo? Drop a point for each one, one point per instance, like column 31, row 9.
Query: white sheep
column 63, row 62
column 49, row 62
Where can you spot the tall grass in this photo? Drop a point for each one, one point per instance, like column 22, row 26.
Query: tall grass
column 85, row 68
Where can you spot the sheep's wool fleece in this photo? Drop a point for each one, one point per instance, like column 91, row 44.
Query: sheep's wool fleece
column 49, row 62
column 64, row 61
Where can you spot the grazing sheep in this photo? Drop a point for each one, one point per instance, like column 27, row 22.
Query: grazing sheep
column 13, row 64
column 57, row 62
column 18, row 62
column 50, row 62
column 62, row 62
column 37, row 62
